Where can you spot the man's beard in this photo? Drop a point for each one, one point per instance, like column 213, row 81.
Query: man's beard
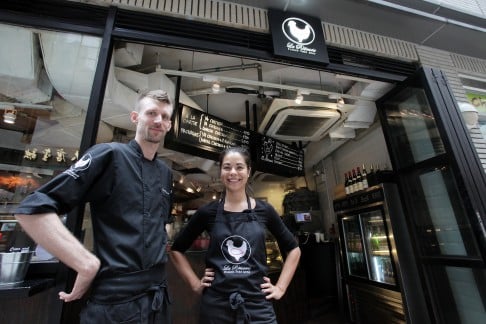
column 153, row 139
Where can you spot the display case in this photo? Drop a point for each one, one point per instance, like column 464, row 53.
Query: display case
column 375, row 236
column 367, row 241
column 368, row 255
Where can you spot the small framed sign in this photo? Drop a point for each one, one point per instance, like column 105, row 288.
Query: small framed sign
column 297, row 36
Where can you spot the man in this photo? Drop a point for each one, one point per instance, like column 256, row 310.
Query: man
column 129, row 191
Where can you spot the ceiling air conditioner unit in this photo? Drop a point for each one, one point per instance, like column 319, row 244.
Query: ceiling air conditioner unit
column 308, row 121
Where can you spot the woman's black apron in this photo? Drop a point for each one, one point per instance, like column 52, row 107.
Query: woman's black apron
column 237, row 254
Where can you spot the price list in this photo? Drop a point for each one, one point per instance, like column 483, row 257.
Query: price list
column 208, row 132
column 279, row 158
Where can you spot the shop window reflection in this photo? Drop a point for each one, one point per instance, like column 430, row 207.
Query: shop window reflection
column 46, row 79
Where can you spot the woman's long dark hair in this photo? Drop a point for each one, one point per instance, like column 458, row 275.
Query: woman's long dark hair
column 243, row 151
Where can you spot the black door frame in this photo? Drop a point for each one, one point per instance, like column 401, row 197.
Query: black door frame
column 460, row 155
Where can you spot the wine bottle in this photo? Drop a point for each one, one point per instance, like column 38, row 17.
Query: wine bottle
column 359, row 179
column 355, row 183
column 365, row 177
column 378, row 175
column 371, row 176
column 351, row 183
column 346, row 183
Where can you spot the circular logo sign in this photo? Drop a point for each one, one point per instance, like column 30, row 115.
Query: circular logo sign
column 236, row 249
column 298, row 31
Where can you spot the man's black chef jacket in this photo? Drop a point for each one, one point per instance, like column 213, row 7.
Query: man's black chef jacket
column 130, row 202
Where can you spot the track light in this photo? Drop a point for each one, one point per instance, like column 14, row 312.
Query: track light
column 340, row 103
column 10, row 115
column 299, row 98
column 216, row 87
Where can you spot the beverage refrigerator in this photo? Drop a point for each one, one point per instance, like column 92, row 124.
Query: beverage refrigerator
column 376, row 283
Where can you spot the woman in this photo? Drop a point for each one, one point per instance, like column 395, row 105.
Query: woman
column 235, row 287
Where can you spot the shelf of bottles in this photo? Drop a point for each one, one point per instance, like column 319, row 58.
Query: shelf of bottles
column 359, row 178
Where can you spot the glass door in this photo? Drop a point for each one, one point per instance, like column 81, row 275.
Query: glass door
column 442, row 185
column 376, row 239
column 354, row 247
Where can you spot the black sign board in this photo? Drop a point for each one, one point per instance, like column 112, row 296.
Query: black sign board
column 198, row 133
column 209, row 134
column 276, row 157
column 297, row 36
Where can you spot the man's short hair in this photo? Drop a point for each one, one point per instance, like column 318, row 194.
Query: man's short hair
column 158, row 95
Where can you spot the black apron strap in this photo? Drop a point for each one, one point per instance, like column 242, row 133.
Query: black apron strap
column 130, row 286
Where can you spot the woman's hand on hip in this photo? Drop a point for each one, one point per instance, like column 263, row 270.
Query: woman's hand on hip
column 207, row 279
column 271, row 291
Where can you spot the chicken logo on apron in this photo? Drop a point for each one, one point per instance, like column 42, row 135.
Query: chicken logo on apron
column 236, row 249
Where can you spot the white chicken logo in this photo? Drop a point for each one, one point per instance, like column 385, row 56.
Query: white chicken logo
column 79, row 166
column 298, row 31
column 236, row 249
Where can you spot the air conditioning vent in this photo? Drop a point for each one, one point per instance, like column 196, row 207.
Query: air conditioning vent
column 309, row 121
column 300, row 126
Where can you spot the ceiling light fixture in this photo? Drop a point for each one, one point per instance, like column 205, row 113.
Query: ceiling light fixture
column 340, row 103
column 10, row 115
column 300, row 95
column 216, row 87
column 299, row 98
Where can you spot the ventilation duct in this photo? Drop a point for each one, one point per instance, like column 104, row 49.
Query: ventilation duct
column 22, row 76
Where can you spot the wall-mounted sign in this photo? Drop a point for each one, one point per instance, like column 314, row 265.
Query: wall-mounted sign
column 273, row 156
column 204, row 135
column 297, row 36
column 201, row 134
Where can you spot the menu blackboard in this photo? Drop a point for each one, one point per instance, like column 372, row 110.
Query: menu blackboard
column 198, row 133
column 209, row 132
column 273, row 156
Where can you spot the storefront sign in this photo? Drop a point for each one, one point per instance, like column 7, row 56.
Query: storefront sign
column 297, row 36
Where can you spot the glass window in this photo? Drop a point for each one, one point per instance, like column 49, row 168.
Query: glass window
column 45, row 85
column 460, row 289
column 440, row 219
column 412, row 127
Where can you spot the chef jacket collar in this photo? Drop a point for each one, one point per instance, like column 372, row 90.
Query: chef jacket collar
column 134, row 144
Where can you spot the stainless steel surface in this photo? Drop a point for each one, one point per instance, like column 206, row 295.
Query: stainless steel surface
column 14, row 266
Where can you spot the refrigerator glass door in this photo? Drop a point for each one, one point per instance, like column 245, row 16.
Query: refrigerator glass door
column 377, row 247
column 356, row 261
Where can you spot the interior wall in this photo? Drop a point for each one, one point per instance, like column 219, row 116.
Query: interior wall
column 370, row 149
